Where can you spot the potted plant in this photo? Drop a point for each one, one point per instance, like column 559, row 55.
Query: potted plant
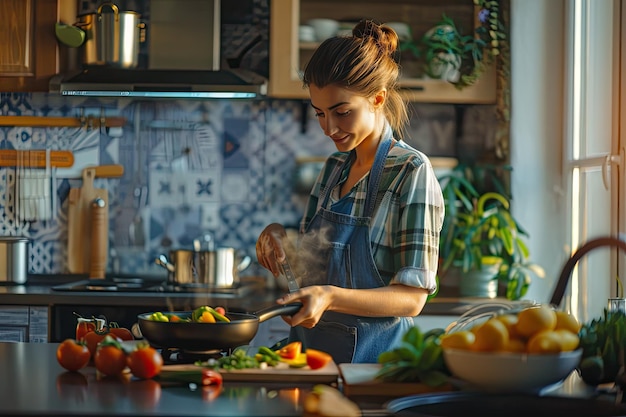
column 444, row 48
column 481, row 239
column 461, row 59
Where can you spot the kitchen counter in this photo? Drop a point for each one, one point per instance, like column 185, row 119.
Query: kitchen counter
column 38, row 291
column 53, row 312
column 33, row 383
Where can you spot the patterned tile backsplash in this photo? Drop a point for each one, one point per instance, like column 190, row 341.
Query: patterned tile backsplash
column 191, row 168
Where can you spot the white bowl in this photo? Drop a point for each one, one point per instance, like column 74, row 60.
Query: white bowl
column 402, row 29
column 324, row 28
column 510, row 372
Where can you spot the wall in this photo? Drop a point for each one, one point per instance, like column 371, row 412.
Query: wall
column 537, row 82
column 191, row 167
column 195, row 167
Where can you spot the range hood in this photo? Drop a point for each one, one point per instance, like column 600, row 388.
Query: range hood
column 163, row 83
column 183, row 59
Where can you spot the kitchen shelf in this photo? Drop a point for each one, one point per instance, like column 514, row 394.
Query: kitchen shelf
column 46, row 121
column 35, row 158
column 288, row 55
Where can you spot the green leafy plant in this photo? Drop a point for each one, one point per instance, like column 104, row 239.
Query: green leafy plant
column 479, row 227
column 475, row 51
column 444, row 45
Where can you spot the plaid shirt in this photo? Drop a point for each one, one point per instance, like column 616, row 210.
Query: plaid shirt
column 408, row 215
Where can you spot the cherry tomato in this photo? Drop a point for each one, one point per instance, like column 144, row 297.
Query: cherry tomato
column 211, row 377
column 72, row 355
column 110, row 358
column 83, row 327
column 220, row 310
column 145, row 362
column 121, row 332
column 92, row 339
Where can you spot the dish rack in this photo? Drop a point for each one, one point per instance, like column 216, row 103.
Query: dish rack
column 483, row 312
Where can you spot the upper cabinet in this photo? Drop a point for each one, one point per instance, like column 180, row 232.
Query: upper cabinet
column 30, row 54
column 288, row 55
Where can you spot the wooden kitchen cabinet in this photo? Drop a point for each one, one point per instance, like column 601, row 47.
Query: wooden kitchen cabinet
column 288, row 55
column 24, row 324
column 30, row 54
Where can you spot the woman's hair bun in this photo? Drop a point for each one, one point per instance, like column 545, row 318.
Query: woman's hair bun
column 385, row 37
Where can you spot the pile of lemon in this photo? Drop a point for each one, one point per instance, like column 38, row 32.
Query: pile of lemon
column 536, row 329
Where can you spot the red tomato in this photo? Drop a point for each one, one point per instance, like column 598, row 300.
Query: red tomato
column 316, row 358
column 110, row 359
column 121, row 332
column 72, row 355
column 145, row 362
column 211, row 377
column 290, row 351
column 92, row 339
column 83, row 327
column 220, row 310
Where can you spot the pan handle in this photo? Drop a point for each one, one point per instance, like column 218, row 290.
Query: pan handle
column 278, row 310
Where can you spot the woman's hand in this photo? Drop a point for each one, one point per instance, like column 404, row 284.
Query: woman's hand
column 315, row 301
column 269, row 248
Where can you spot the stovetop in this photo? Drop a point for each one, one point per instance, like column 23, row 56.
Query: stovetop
column 149, row 285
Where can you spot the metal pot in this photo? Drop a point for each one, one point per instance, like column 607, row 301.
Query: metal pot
column 217, row 268
column 13, row 259
column 111, row 37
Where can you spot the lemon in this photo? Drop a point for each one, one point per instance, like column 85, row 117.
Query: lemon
column 567, row 321
column 463, row 339
column 491, row 336
column 568, row 340
column 546, row 341
column 516, row 345
column 533, row 320
column 510, row 321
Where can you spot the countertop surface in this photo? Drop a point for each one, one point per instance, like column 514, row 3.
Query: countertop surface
column 33, row 383
column 38, row 291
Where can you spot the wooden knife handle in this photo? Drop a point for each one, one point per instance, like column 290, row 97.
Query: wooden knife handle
column 99, row 239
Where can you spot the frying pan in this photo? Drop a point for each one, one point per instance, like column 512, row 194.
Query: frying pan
column 199, row 337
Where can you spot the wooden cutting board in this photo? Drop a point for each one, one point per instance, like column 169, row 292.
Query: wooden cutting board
column 80, row 221
column 325, row 375
column 360, row 379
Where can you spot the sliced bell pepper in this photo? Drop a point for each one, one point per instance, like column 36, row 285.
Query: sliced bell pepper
column 290, row 351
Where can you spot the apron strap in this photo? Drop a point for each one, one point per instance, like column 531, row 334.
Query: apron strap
column 376, row 173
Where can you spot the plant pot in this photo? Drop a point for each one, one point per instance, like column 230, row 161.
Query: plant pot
column 481, row 282
column 445, row 66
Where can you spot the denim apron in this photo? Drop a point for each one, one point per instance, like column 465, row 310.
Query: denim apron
column 336, row 250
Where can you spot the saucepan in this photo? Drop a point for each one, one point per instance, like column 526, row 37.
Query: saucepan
column 200, row 337
column 108, row 36
column 214, row 268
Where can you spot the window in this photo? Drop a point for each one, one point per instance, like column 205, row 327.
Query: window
column 596, row 32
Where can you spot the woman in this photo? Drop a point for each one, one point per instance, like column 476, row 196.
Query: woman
column 368, row 245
